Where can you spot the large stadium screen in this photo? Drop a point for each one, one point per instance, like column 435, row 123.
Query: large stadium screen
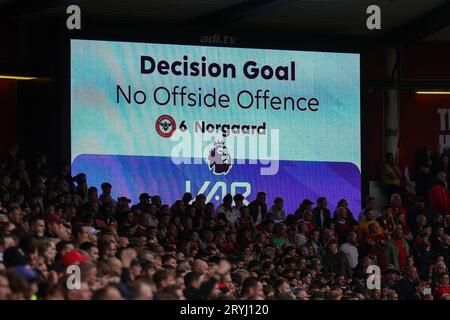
column 167, row 119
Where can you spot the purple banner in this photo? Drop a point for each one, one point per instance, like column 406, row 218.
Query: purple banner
column 294, row 181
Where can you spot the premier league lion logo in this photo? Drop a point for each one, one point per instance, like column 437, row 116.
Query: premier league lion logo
column 219, row 159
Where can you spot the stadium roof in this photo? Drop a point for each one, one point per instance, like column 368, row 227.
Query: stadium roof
column 402, row 20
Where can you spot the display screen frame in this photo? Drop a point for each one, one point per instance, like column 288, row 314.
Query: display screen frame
column 246, row 41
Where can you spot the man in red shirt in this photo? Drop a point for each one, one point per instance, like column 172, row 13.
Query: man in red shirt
column 402, row 247
column 443, row 287
column 438, row 194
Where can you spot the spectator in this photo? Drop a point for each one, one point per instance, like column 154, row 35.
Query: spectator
column 386, row 220
column 316, row 245
column 282, row 289
column 144, row 202
column 277, row 210
column 281, row 238
column 424, row 256
column 438, row 194
column 236, row 209
column 371, row 205
column 187, row 198
column 305, row 205
column 335, row 261
column 442, row 165
column 406, row 287
column 301, row 234
column 226, row 208
column 443, row 286
column 424, row 173
column 147, row 251
column 37, row 227
column 343, row 224
column 321, row 214
column 402, row 248
column 363, row 226
column 192, row 281
column 419, row 208
column 442, row 248
column 397, row 206
column 245, row 220
column 252, row 289
column 5, row 289
column 108, row 293
column 390, row 278
column 91, row 250
column 343, row 203
column 349, row 248
column 258, row 208
column 391, row 176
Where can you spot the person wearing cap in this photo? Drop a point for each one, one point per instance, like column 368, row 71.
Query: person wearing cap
column 92, row 194
column 30, row 275
column 92, row 234
column 14, row 256
column 73, row 257
column 123, row 204
column 144, row 201
column 54, row 225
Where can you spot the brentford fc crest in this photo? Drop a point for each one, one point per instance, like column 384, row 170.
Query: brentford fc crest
column 219, row 159
column 165, row 126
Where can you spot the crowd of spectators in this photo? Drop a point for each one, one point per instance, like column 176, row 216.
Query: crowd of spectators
column 54, row 225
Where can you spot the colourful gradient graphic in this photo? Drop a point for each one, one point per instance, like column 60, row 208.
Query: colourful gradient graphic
column 158, row 175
